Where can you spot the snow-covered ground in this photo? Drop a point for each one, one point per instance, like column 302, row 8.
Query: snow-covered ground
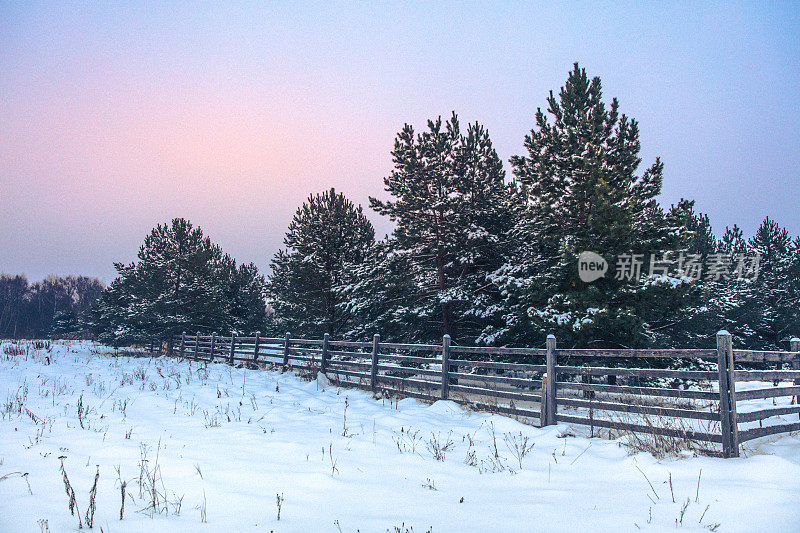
column 224, row 443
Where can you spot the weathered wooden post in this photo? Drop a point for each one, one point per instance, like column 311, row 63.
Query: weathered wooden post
column 549, row 391
column 183, row 345
column 587, row 379
column 727, row 396
column 197, row 346
column 233, row 348
column 373, row 372
column 324, row 363
column 255, row 347
column 213, row 342
column 286, row 352
column 794, row 346
column 445, row 366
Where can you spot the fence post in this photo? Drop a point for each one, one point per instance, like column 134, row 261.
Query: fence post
column 233, row 347
column 255, row 347
column 445, row 366
column 373, row 372
column 727, row 395
column 549, row 392
column 197, row 346
column 213, row 342
column 286, row 352
column 794, row 346
column 183, row 345
column 324, row 363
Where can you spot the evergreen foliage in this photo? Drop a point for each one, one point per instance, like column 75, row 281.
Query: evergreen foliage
column 450, row 206
column 181, row 282
column 328, row 232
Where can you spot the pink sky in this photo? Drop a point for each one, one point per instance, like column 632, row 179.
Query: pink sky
column 118, row 117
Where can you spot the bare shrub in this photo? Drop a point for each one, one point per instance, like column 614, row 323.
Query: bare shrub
column 73, row 504
column 654, row 442
column 279, row 504
column 518, row 445
column 438, row 448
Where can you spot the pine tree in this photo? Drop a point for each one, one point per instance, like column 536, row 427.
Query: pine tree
column 375, row 293
column 448, row 199
column 580, row 191
column 327, row 233
column 181, row 282
column 771, row 308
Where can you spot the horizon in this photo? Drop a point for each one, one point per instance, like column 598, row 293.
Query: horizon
column 121, row 117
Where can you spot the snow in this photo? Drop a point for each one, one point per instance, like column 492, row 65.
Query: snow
column 342, row 460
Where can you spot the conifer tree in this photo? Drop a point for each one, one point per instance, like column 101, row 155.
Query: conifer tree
column 448, row 203
column 181, row 282
column 581, row 191
column 326, row 233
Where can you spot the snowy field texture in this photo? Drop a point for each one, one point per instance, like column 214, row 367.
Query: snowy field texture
column 220, row 446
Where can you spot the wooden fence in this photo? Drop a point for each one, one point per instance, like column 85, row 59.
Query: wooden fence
column 563, row 386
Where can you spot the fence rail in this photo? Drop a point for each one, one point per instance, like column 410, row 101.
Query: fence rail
column 553, row 388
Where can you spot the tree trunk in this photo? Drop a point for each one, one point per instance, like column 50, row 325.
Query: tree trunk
column 445, row 306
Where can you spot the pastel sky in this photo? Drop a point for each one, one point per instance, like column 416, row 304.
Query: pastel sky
column 117, row 116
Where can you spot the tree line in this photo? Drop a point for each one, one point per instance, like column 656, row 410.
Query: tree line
column 486, row 259
column 53, row 305
column 495, row 262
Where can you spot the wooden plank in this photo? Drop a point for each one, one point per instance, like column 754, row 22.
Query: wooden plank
column 325, row 341
column 727, row 395
column 551, row 410
column 411, row 347
column 750, row 434
column 376, row 343
column 756, row 356
column 642, row 372
column 492, row 350
column 286, row 350
column 445, row 365
column 349, row 354
column 349, row 364
column 513, row 411
column 352, row 373
column 255, row 345
column 761, row 414
column 308, row 342
column 351, row 344
column 629, row 353
column 639, row 428
column 509, row 395
column 496, row 365
column 521, row 382
column 766, row 375
column 772, row 392
column 408, row 358
column 407, row 381
column 404, row 393
column 641, row 391
column 406, row 370
column 640, row 409
column 304, row 350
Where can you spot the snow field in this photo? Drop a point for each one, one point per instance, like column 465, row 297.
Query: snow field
column 224, row 443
